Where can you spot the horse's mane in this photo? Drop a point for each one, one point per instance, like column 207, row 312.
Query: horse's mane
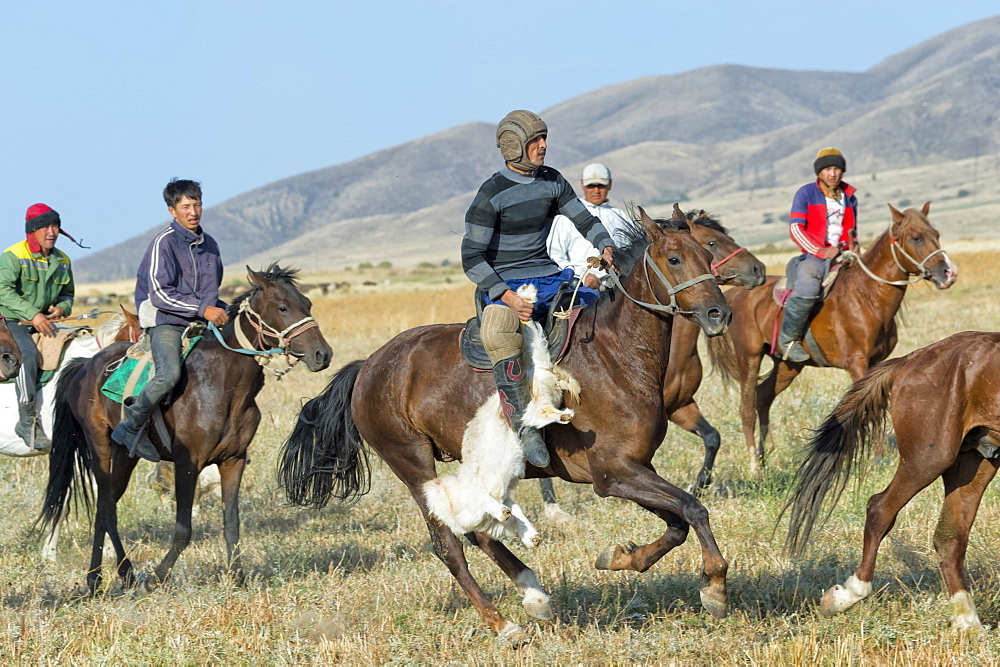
column 632, row 239
column 700, row 216
column 106, row 332
column 272, row 273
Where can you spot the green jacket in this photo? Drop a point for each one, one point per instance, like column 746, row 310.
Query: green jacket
column 30, row 283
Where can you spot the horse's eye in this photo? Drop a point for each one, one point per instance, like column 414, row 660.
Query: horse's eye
column 918, row 240
column 674, row 260
column 282, row 309
column 711, row 243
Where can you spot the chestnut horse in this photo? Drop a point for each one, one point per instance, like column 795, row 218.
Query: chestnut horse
column 10, row 355
column 411, row 400
column 855, row 327
column 212, row 417
column 945, row 411
column 732, row 264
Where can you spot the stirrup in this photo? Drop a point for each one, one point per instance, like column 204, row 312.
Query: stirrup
column 789, row 348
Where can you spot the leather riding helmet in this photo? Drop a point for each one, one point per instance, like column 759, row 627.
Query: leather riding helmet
column 513, row 134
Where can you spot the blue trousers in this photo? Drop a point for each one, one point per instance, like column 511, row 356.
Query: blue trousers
column 547, row 287
column 26, row 383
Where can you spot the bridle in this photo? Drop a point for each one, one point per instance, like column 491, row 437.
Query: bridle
column 671, row 308
column 257, row 323
column 895, row 247
column 715, row 265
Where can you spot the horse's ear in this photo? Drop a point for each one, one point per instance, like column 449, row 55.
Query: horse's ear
column 897, row 217
column 254, row 277
column 926, row 209
column 647, row 223
column 678, row 214
column 130, row 318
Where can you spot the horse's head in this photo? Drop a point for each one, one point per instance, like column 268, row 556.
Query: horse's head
column 285, row 316
column 678, row 271
column 920, row 251
column 10, row 354
column 732, row 264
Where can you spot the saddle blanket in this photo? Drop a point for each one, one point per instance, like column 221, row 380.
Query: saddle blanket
column 116, row 385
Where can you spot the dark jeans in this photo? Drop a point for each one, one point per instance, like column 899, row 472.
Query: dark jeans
column 27, row 380
column 809, row 275
column 165, row 344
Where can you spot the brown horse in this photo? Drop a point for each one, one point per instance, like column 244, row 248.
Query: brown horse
column 10, row 354
column 945, row 410
column 854, row 328
column 212, row 417
column 411, row 401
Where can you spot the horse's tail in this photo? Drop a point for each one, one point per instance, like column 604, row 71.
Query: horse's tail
column 723, row 355
column 70, row 459
column 837, row 448
column 325, row 456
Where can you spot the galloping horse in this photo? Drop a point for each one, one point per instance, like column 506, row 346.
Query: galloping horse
column 945, row 410
column 411, row 400
column 684, row 372
column 855, row 327
column 212, row 418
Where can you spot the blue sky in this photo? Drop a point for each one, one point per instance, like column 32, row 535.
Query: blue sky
column 103, row 102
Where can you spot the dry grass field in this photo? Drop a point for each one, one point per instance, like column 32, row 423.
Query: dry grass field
column 361, row 586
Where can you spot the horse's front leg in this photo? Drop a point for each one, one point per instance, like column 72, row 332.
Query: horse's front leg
column 185, row 478
column 534, row 598
column 231, row 474
column 689, row 418
column 631, row 480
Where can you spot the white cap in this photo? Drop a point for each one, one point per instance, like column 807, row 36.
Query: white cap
column 595, row 172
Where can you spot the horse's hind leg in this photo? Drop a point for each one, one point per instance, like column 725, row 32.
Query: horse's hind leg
column 913, row 474
column 964, row 484
column 776, row 382
column 748, row 368
column 112, row 471
column 534, row 598
column 550, row 506
column 690, row 419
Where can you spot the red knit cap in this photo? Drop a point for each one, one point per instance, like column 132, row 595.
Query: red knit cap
column 42, row 215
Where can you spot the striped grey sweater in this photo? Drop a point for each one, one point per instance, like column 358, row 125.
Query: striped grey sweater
column 508, row 224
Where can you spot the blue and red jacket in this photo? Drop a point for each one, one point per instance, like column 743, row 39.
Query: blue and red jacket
column 178, row 278
column 807, row 222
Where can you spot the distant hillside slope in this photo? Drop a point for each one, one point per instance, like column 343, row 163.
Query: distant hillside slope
column 713, row 130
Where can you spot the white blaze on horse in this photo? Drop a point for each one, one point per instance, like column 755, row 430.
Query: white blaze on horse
column 477, row 497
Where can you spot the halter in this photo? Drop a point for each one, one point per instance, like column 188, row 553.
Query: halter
column 671, row 308
column 895, row 247
column 283, row 338
column 714, row 267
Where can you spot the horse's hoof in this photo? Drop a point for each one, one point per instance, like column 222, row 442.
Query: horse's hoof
column 539, row 608
column 505, row 513
column 513, row 636
column 536, row 540
column 148, row 583
column 616, row 557
column 829, row 605
column 714, row 603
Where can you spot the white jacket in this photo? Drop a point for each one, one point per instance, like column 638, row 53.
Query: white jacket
column 568, row 248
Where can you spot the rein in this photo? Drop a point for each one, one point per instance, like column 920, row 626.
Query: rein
column 671, row 308
column 283, row 338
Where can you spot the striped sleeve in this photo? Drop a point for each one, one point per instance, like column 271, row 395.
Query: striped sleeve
column 480, row 226
column 164, row 274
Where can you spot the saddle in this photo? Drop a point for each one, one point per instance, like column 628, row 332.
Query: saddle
column 557, row 329
column 52, row 350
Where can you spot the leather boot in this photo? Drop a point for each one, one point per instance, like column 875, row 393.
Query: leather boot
column 793, row 325
column 29, row 427
column 514, row 387
column 131, row 431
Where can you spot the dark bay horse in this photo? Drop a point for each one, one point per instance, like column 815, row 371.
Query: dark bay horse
column 945, row 411
column 411, row 400
column 212, row 417
column 855, row 327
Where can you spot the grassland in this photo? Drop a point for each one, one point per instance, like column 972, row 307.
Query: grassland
column 360, row 585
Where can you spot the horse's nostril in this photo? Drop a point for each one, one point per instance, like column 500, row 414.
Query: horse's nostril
column 715, row 314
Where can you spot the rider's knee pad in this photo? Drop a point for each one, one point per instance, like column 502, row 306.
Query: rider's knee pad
column 500, row 331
